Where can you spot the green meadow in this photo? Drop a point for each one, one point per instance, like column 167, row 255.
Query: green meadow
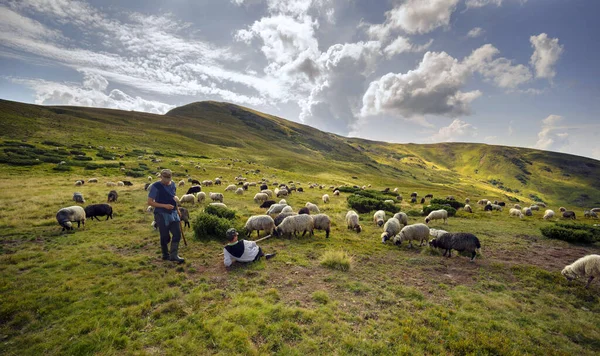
column 103, row 289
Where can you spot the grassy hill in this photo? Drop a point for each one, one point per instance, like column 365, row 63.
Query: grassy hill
column 104, row 290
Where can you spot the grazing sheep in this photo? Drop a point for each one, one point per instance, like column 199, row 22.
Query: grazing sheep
column 279, row 218
column 112, row 196
column 352, row 221
column 185, row 217
column 323, row 223
column 93, row 180
column 267, row 204
column 283, row 201
column 221, row 205
column 412, row 232
column 467, row 201
column 268, row 192
column 281, row 193
column 207, row 183
column 66, row 216
column 422, row 200
column 264, row 187
column 79, row 182
column 379, row 218
column 395, row 190
column 313, row 208
column 275, row 209
column 287, row 209
column 195, row 182
column 596, row 210
column 468, row 208
column 413, row 200
column 402, row 218
column 336, row 192
column 187, row 198
column 586, row 266
column 429, row 196
column 304, row 211
column 496, row 207
column 300, row 190
column 437, row 215
column 95, row 210
column 534, row 207
column 482, row 202
column 201, row 197
column 181, row 183
column 260, row 197
column 390, row 229
column 216, row 197
column 515, row 212
column 548, row 214
column 149, row 178
column 218, row 181
column 541, row 205
column 459, row 241
column 294, row 224
column 231, row 188
column 590, row 214
column 259, row 222
column 569, row 214
column 120, row 184
column 527, row 211
column 437, row 233
column 413, row 194
column 78, row 198
column 562, row 209
column 245, row 186
column 517, row 206
column 239, row 191
column 325, row 198
column 194, row 189
column 399, row 197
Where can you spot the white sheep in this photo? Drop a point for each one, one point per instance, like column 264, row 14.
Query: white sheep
column 587, row 266
column 231, row 188
column 268, row 192
column 294, row 224
column 283, row 201
column 325, row 198
column 181, row 183
column 395, row 190
column 548, row 214
column 390, row 229
column 78, row 198
column 187, row 198
column 468, row 208
column 221, row 205
column 93, row 180
column 534, row 207
column 111, row 184
column 149, row 178
column 437, row 215
column 437, row 233
column 239, row 191
column 281, row 193
column 275, row 209
column 515, row 212
column 352, row 221
column 527, row 211
column 517, row 206
column 216, row 197
column 413, row 232
column 322, row 222
column 389, row 201
column 201, row 197
column 562, row 209
column 260, row 222
column 483, row 202
column 79, row 183
column 336, row 192
column 379, row 217
column 402, row 218
column 313, row 208
column 66, row 216
column 260, row 197
column 287, row 209
column 149, row 209
column 120, row 184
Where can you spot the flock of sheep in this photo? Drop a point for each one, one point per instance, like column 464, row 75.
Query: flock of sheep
column 281, row 220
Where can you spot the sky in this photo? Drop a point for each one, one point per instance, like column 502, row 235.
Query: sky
column 508, row 72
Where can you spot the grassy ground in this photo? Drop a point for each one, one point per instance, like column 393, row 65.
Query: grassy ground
column 103, row 289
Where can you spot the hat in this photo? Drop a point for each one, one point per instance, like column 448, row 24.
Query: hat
column 231, row 233
column 166, row 173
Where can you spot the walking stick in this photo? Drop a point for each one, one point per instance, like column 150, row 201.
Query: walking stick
column 181, row 227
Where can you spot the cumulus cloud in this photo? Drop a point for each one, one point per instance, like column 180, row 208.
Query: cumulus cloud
column 414, row 16
column 403, row 44
column 458, row 130
column 475, row 32
column 482, row 3
column 548, row 137
column 500, row 71
column 546, row 53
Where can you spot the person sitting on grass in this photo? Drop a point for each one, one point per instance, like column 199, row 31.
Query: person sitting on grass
column 241, row 250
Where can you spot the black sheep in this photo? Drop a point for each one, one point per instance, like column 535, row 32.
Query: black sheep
column 194, row 189
column 413, row 200
column 488, row 207
column 459, row 241
column 264, row 186
column 429, row 196
column 422, row 200
column 279, row 218
column 195, row 182
column 95, row 210
column 300, row 190
column 569, row 214
column 304, row 211
column 127, row 183
column 112, row 196
column 413, row 194
column 501, row 203
column 267, row 204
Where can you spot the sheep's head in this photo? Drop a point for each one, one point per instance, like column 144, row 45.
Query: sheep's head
column 379, row 222
column 358, row 228
column 398, row 239
column 277, row 231
column 67, row 225
column 427, row 220
column 433, row 243
column 384, row 237
column 568, row 273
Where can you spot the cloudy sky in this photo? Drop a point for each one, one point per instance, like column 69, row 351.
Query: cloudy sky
column 512, row 72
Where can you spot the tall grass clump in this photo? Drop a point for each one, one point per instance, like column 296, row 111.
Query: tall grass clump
column 339, row 260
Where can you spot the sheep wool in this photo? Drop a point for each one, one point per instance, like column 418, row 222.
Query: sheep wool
column 187, row 198
column 402, row 218
column 287, row 209
column 216, row 197
column 275, row 209
column 548, row 214
column 352, row 221
column 66, row 216
column 515, row 212
column 390, row 229
column 239, row 191
column 279, row 218
column 295, row 224
column 325, row 198
column 460, row 241
column 379, row 217
column 313, row 208
column 417, row 232
column 437, row 233
column 260, row 197
column 221, row 205
column 437, row 215
column 259, row 222
column 587, row 266
column 201, row 197
column 322, row 222
column 468, row 208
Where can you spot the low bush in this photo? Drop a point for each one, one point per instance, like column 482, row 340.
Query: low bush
column 82, row 158
column 134, row 174
column 365, row 205
column 62, row 168
column 220, row 212
column 572, row 232
column 208, row 226
column 429, row 208
column 453, row 203
column 414, row 213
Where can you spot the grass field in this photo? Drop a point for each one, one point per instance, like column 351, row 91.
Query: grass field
column 104, row 289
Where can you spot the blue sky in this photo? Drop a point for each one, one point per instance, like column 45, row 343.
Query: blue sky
column 510, row 72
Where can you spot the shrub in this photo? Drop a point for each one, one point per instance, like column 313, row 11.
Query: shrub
column 51, row 143
column 429, row 208
column 62, row 168
column 453, row 203
column 572, row 232
column 82, row 158
column 51, row 159
column 220, row 212
column 364, row 205
column 414, row 213
column 76, row 152
column 339, row 260
column 320, row 297
column 208, row 226
column 134, row 174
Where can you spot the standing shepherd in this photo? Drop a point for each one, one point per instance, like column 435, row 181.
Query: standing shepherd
column 161, row 196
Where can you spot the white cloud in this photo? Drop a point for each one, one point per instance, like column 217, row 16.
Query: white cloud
column 482, row 3
column 456, row 131
column 414, row 16
column 548, row 138
column 403, row 44
column 500, row 71
column 475, row 32
column 546, row 53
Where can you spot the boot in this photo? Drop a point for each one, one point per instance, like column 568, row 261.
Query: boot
column 165, row 252
column 268, row 256
column 174, row 250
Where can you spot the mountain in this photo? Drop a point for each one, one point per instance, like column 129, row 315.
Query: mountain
column 230, row 132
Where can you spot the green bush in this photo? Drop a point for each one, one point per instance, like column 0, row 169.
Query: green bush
column 220, row 212
column 453, row 203
column 429, row 208
column 82, row 158
column 208, row 226
column 572, row 232
column 414, row 213
column 77, row 153
column 365, row 205
column 17, row 161
column 134, row 174
column 51, row 143
column 369, row 193
column 62, row 168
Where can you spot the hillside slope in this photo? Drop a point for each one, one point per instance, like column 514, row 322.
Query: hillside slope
column 224, row 130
